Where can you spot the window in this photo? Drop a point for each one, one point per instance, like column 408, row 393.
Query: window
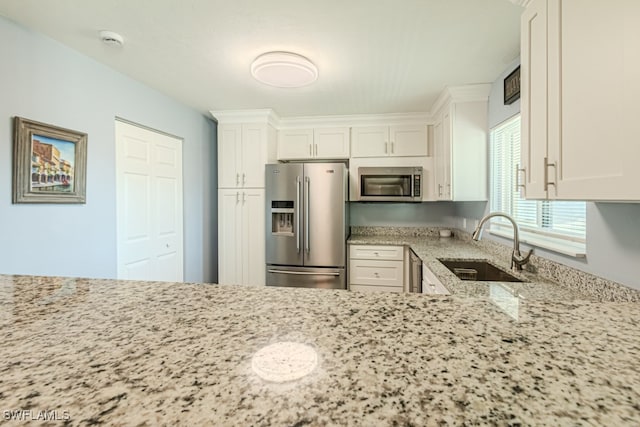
column 555, row 225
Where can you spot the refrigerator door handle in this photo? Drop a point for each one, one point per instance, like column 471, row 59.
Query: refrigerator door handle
column 303, row 273
column 306, row 214
column 298, row 188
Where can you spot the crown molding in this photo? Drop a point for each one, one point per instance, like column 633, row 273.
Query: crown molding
column 465, row 93
column 354, row 120
column 246, row 116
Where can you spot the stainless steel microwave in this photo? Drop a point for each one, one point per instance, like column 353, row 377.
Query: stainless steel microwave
column 390, row 184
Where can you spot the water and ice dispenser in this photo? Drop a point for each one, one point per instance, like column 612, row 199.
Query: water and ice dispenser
column 282, row 218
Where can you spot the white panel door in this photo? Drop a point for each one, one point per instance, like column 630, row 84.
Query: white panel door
column 149, row 205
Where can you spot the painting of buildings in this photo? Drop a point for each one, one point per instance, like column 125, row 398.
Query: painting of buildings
column 52, row 164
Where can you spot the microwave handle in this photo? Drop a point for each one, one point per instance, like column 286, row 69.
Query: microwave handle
column 413, row 185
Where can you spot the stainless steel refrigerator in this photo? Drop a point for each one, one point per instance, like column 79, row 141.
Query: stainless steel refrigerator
column 307, row 224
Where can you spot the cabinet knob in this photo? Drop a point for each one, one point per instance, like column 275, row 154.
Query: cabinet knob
column 376, row 254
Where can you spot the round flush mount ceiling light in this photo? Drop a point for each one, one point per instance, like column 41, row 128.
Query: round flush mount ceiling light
column 111, row 38
column 284, row 69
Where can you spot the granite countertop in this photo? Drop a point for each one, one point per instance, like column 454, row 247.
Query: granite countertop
column 431, row 248
column 150, row 353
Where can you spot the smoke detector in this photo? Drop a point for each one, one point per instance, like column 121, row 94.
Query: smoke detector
column 111, row 38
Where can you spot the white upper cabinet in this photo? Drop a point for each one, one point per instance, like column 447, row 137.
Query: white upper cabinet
column 408, row 141
column 295, row 144
column 384, row 141
column 319, row 143
column 331, row 143
column 460, row 135
column 580, row 62
column 243, row 150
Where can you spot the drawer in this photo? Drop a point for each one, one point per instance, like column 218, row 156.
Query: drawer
column 376, row 252
column 376, row 273
column 369, row 288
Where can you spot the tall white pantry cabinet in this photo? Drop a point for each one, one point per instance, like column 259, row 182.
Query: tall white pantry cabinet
column 246, row 142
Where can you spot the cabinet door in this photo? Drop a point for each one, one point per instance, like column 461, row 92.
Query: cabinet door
column 229, row 155
column 405, row 141
column 253, row 237
column 371, row 141
column 331, row 143
column 254, row 139
column 445, row 160
column 295, row 144
column 533, row 102
column 438, row 148
column 593, row 127
column 229, row 236
column 468, row 151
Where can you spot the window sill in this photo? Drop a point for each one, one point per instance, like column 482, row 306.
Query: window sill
column 573, row 249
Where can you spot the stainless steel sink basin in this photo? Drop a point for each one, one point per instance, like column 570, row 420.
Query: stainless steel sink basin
column 478, row 270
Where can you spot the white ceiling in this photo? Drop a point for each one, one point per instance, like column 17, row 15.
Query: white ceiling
column 373, row 56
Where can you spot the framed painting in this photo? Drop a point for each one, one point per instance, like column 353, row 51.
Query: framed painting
column 49, row 163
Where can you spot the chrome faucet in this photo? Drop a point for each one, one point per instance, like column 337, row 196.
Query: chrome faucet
column 517, row 260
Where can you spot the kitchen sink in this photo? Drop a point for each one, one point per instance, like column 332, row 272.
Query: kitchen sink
column 478, row 270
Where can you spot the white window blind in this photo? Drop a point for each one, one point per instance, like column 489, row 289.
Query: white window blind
column 550, row 221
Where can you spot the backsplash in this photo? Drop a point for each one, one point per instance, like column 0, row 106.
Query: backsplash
column 586, row 283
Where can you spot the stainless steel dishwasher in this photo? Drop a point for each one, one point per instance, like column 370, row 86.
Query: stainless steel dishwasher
column 415, row 272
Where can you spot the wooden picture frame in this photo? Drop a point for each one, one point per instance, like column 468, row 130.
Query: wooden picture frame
column 512, row 87
column 49, row 163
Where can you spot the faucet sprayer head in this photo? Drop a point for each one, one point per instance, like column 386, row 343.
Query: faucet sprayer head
column 477, row 234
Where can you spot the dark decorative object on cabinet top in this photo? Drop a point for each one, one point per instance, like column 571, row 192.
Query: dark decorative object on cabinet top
column 512, row 87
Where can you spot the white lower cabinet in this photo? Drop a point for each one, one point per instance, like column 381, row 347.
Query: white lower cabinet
column 241, row 236
column 376, row 268
column 431, row 284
